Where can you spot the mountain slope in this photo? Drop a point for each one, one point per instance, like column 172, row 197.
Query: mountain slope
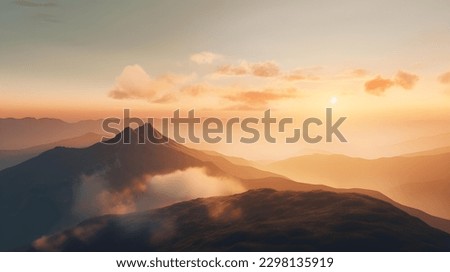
column 260, row 220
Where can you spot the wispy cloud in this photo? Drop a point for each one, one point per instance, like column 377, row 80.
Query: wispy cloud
column 233, row 70
column 260, row 98
column 300, row 74
column 196, row 89
column 359, row 72
column 265, row 69
column 260, row 69
column 205, row 57
column 444, row 78
column 165, row 99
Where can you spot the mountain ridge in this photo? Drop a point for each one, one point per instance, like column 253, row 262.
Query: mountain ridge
column 257, row 220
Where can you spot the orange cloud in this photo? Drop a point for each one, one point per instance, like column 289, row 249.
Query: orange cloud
column 299, row 75
column 195, row 90
column 444, row 78
column 205, row 57
column 168, row 98
column 378, row 85
column 233, row 70
column 258, row 98
column 294, row 76
column 359, row 72
column 406, row 80
column 265, row 69
column 261, row 69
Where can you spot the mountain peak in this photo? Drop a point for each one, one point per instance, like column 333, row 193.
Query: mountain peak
column 145, row 134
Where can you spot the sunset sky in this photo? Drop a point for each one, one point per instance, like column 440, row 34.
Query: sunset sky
column 74, row 60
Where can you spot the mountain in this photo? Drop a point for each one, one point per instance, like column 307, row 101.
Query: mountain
column 10, row 158
column 63, row 186
column 41, row 195
column 29, row 132
column 385, row 175
column 419, row 144
column 435, row 151
column 232, row 159
column 258, row 220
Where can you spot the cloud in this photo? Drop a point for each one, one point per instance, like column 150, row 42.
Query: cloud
column 294, row 76
column 135, row 83
column 36, row 4
column 168, row 98
column 260, row 98
column 299, row 74
column 96, row 195
column 359, row 72
column 244, row 107
column 196, row 90
column 406, row 80
column 193, row 183
column 265, row 69
column 233, row 70
column 205, row 57
column 379, row 85
column 260, row 69
column 444, row 78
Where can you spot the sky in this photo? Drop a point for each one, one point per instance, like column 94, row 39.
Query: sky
column 385, row 61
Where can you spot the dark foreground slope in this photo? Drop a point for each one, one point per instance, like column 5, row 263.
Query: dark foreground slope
column 258, row 220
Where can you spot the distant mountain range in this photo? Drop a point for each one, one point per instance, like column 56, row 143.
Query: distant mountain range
column 64, row 186
column 10, row 158
column 419, row 145
column 258, row 220
column 435, row 151
column 29, row 132
column 397, row 177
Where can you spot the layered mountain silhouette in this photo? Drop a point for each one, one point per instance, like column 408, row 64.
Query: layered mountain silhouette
column 435, row 151
column 64, row 186
column 29, row 132
column 421, row 144
column 420, row 181
column 258, row 220
column 10, row 158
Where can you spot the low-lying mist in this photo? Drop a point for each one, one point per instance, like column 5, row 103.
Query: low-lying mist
column 95, row 195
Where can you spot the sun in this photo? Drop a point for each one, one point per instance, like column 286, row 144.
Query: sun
column 333, row 100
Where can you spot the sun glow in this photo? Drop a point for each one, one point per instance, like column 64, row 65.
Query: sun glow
column 333, row 100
